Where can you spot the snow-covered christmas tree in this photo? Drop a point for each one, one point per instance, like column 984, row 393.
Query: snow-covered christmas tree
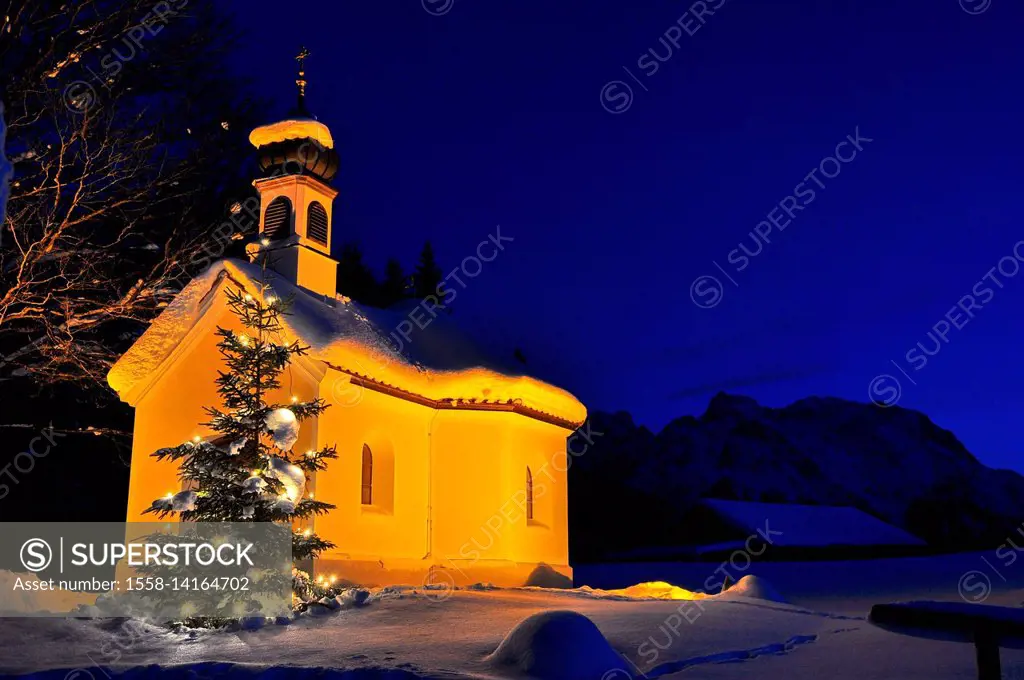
column 249, row 472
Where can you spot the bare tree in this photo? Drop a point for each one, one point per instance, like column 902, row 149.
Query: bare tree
column 5, row 168
column 125, row 132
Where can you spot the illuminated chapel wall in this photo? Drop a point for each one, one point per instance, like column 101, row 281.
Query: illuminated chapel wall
column 172, row 410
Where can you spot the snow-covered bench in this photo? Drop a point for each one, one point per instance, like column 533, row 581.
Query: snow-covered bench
column 988, row 627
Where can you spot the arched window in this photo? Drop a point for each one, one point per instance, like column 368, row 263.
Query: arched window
column 277, row 220
column 529, row 494
column 367, row 483
column 316, row 223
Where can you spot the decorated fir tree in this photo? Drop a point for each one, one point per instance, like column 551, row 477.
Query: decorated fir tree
column 249, row 472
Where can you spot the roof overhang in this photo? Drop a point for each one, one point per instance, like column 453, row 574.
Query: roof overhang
column 190, row 317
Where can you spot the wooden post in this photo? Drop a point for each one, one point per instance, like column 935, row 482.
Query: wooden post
column 986, row 644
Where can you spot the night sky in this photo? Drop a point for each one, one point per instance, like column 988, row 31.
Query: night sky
column 476, row 114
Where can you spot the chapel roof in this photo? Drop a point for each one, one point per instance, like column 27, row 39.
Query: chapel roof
column 439, row 366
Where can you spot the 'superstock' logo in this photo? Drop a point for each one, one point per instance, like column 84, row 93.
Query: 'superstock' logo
column 438, row 8
column 885, row 390
column 975, row 6
column 616, row 97
column 36, row 555
column 706, row 292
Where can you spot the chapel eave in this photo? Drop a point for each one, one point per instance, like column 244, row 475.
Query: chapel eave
column 353, row 351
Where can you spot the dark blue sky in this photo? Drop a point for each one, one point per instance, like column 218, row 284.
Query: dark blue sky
column 491, row 114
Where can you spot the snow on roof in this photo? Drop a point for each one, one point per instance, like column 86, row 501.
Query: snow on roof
column 811, row 525
column 438, row 363
column 292, row 129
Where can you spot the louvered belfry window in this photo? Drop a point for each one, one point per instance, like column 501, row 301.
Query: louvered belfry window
column 277, row 221
column 316, row 221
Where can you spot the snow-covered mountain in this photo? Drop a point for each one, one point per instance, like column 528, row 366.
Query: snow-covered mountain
column 893, row 463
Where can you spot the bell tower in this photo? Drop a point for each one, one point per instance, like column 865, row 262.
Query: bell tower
column 297, row 162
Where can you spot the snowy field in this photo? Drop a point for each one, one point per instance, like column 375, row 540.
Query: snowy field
column 847, row 586
column 823, row 633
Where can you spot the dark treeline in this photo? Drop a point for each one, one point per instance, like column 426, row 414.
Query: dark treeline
column 357, row 281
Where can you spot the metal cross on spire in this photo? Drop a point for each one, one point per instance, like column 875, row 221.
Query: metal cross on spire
column 301, row 80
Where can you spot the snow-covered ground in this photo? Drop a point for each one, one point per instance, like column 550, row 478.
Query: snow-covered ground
column 414, row 634
column 849, row 586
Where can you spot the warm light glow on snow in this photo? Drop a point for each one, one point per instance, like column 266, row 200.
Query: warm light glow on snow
column 653, row 590
column 283, row 427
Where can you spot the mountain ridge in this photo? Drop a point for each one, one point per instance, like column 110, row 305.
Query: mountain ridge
column 893, row 463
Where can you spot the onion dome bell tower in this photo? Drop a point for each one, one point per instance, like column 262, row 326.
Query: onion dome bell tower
column 297, row 161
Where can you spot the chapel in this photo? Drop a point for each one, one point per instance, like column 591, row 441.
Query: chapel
column 451, row 465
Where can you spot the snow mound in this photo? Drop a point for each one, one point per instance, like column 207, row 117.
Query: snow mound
column 558, row 645
column 350, row 598
column 543, row 576
column 753, row 587
column 354, row 597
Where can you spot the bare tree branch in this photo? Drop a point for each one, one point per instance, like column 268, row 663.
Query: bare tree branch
column 123, row 141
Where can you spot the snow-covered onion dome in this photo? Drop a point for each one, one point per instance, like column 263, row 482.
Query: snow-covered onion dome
column 298, row 145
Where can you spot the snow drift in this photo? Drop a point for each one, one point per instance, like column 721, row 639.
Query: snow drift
column 754, row 587
column 558, row 645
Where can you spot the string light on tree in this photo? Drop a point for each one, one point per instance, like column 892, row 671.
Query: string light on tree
column 252, row 476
